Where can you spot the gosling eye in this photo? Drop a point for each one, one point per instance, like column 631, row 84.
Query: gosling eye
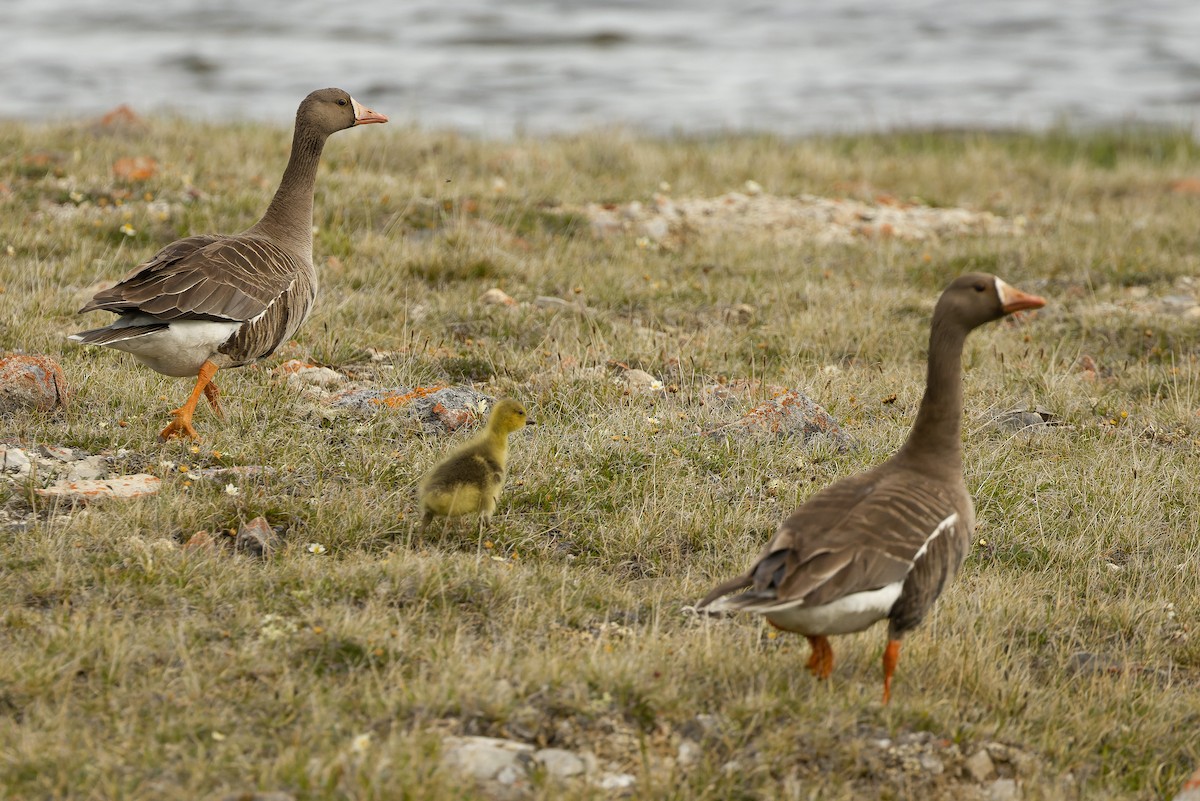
column 341, row 101
column 980, row 287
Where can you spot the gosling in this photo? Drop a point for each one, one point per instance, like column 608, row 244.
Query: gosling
column 469, row 478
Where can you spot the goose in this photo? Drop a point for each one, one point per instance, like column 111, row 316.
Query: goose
column 211, row 301
column 884, row 543
column 469, row 478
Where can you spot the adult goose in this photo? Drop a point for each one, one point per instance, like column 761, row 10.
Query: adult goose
column 210, row 301
column 884, row 543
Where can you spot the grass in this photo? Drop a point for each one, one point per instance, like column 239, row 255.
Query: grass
column 132, row 669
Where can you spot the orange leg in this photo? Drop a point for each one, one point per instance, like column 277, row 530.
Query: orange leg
column 214, row 398
column 891, row 658
column 820, row 664
column 182, row 424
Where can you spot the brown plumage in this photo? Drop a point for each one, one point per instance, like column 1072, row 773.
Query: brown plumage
column 209, row 302
column 884, row 543
column 469, row 478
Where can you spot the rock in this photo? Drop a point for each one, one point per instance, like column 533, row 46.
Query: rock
column 641, row 381
column 1020, row 419
column 487, row 758
column 931, row 764
column 13, row 460
column 979, row 766
column 616, row 781
column 688, row 753
column 87, row 469
column 1003, row 790
column 1191, row 789
column 133, row 486
column 200, row 541
column 560, row 763
column 792, row 413
column 258, row 538
column 31, row 383
column 547, row 302
column 314, row 377
column 497, row 297
column 437, row 409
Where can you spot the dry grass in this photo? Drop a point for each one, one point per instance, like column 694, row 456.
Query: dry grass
column 131, row 669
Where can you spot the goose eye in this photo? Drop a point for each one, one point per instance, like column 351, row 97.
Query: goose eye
column 341, row 101
column 980, row 287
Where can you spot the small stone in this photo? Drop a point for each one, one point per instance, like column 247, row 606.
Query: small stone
column 980, row 766
column 688, row 753
column 31, row 383
column 200, row 541
column 1003, row 790
column 497, row 297
column 560, row 763
column 486, row 758
column 14, row 460
column 641, row 381
column 616, row 781
column 258, row 538
column 931, row 764
column 59, row 454
column 133, row 486
column 792, row 413
column 87, row 469
column 315, row 377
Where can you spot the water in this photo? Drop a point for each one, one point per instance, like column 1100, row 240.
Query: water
column 490, row 67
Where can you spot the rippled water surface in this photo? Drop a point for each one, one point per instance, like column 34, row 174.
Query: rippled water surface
column 493, row 67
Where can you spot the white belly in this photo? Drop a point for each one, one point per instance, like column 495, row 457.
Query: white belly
column 181, row 348
column 843, row 616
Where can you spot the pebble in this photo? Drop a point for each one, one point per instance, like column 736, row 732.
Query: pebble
column 1003, row 790
column 134, row 486
column 979, row 766
column 14, row 460
column 31, row 383
column 792, row 413
column 560, row 763
column 487, row 758
column 315, row 377
column 497, row 297
column 258, row 538
column 616, row 781
column 1191, row 789
column 688, row 753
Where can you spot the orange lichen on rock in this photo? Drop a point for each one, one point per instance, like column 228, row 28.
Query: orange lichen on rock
column 31, row 382
column 395, row 401
column 137, row 168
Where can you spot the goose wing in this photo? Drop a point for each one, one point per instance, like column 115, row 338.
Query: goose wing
column 234, row 278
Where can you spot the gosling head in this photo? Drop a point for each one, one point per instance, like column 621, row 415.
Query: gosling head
column 507, row 416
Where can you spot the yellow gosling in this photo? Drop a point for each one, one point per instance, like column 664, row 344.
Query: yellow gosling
column 469, row 478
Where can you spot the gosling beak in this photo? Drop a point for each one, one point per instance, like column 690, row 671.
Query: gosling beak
column 1014, row 300
column 364, row 115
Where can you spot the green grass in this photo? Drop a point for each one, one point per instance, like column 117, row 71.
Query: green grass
column 131, row 669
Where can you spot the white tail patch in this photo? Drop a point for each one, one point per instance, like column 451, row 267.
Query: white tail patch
column 849, row 613
column 941, row 527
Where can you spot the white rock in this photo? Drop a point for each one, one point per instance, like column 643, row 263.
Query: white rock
column 87, row 469
column 688, row 753
column 119, row 487
column 13, row 460
column 485, row 758
column 497, row 297
column 656, row 228
column 1003, row 790
column 560, row 763
column 980, row 766
column 616, row 781
column 315, row 377
column 931, row 764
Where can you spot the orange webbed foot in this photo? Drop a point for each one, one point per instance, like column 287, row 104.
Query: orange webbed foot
column 181, row 426
column 891, row 658
column 820, row 664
